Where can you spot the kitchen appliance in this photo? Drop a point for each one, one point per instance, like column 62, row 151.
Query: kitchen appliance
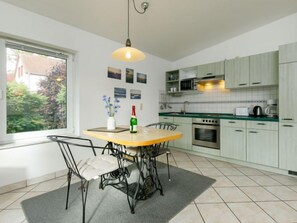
column 210, row 78
column 271, row 108
column 243, row 111
column 188, row 84
column 206, row 132
column 257, row 110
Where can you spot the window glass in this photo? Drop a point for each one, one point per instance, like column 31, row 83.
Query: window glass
column 36, row 91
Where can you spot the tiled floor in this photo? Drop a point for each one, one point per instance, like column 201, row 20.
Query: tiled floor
column 240, row 194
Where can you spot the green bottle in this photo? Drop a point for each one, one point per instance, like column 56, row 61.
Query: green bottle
column 133, row 121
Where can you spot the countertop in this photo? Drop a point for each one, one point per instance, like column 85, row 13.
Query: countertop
column 219, row 116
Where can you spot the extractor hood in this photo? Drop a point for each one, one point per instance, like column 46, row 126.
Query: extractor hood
column 210, row 78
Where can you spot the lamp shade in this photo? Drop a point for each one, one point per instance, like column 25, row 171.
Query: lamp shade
column 128, row 54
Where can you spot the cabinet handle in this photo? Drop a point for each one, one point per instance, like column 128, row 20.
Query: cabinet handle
column 209, row 74
column 288, row 126
column 253, row 132
column 288, row 119
column 165, row 118
column 261, row 124
column 232, row 122
column 242, row 84
column 256, row 83
column 238, row 130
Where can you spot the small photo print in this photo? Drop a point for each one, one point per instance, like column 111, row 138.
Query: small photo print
column 119, row 92
column 129, row 75
column 141, row 78
column 114, row 73
column 135, row 94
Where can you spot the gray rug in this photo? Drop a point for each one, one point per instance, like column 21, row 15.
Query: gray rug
column 110, row 205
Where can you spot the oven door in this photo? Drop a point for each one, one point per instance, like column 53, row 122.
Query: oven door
column 206, row 135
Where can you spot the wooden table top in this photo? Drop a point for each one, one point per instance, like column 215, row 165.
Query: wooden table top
column 144, row 136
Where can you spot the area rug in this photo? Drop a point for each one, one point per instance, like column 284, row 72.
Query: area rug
column 110, row 205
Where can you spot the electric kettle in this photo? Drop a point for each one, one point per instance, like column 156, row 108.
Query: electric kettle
column 257, row 111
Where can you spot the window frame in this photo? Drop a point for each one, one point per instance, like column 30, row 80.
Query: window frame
column 6, row 138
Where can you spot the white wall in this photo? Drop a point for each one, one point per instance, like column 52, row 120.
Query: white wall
column 91, row 62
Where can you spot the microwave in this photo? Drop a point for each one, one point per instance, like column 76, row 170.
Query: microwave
column 188, row 84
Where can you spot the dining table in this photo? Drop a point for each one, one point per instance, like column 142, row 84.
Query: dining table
column 147, row 141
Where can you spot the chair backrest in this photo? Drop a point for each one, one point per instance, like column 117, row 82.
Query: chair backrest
column 67, row 144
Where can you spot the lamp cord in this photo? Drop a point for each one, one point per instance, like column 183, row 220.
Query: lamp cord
column 136, row 8
column 128, row 20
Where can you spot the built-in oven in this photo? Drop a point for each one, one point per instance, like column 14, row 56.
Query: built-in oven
column 206, row 132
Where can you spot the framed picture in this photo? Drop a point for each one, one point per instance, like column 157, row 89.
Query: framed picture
column 141, row 78
column 119, row 92
column 129, row 75
column 114, row 73
column 135, row 94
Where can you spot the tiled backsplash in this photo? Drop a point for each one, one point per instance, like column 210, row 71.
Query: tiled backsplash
column 216, row 99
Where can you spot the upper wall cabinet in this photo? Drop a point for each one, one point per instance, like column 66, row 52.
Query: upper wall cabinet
column 172, row 81
column 237, row 72
column 264, row 69
column 288, row 53
column 211, row 69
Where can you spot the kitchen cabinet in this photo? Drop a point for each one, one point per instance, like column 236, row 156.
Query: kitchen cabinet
column 288, row 53
column 233, row 139
column 287, row 146
column 237, row 72
column 262, row 143
column 172, row 81
column 287, row 92
column 211, row 69
column 264, row 69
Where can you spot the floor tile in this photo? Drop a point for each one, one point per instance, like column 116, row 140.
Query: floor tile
column 209, row 196
column 198, row 158
column 250, row 171
column 285, row 180
column 265, row 180
column 279, row 211
column 12, row 216
column 185, row 164
column 294, row 188
column 293, row 204
column 282, row 192
column 242, row 181
column 182, row 158
column 250, row 213
column 49, row 185
column 220, row 164
column 222, row 181
column 17, row 203
column 229, row 171
column 210, row 171
column 203, row 164
column 25, row 189
column 231, row 194
column 258, row 194
column 8, row 198
column 190, row 214
column 218, row 213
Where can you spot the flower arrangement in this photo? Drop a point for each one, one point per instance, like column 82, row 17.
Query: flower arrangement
column 111, row 109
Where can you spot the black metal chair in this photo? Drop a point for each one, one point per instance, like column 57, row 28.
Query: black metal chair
column 109, row 167
column 162, row 148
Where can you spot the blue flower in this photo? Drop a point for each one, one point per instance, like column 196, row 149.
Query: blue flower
column 111, row 109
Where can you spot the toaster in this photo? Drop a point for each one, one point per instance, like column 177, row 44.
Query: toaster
column 242, row 111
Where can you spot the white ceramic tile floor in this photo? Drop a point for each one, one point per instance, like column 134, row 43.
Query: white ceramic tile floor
column 240, row 194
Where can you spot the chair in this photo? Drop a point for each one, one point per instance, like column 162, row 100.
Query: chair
column 162, row 147
column 106, row 166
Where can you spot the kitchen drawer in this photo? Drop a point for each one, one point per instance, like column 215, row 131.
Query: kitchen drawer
column 233, row 123
column 165, row 119
column 262, row 125
column 182, row 120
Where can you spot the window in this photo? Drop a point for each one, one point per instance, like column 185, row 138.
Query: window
column 36, row 95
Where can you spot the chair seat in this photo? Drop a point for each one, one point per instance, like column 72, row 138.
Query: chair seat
column 93, row 167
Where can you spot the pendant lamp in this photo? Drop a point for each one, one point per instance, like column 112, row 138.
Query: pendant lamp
column 129, row 53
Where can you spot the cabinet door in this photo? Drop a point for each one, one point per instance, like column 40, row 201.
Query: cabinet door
column 237, row 72
column 186, row 141
column 233, row 143
column 264, row 69
column 288, row 53
column 211, row 69
column 287, row 92
column 287, row 146
column 262, row 147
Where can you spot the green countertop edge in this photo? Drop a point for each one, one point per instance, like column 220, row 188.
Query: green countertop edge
column 221, row 116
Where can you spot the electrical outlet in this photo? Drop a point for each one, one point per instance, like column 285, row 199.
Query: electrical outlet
column 140, row 107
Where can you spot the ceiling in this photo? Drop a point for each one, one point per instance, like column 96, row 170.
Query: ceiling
column 170, row 29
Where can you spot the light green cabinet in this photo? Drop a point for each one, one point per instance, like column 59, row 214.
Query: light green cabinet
column 287, row 146
column 184, row 125
column 233, row 139
column 288, row 53
column 237, row 72
column 166, row 119
column 287, row 92
column 172, row 80
column 264, row 69
column 211, row 69
column 262, row 143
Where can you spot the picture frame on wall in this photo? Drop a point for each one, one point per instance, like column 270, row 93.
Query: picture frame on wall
column 129, row 75
column 135, row 94
column 141, row 78
column 114, row 73
column 120, row 92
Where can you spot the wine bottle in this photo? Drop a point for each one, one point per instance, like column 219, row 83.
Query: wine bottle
column 133, row 121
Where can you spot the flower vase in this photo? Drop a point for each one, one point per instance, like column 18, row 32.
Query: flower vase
column 111, row 123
